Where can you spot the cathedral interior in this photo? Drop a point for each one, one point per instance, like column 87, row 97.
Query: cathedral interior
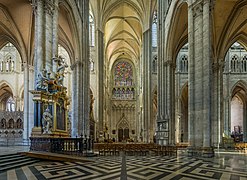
column 159, row 87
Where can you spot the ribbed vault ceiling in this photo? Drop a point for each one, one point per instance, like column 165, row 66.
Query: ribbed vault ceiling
column 123, row 33
column 123, row 23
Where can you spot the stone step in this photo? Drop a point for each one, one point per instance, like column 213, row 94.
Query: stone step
column 9, row 157
column 16, row 161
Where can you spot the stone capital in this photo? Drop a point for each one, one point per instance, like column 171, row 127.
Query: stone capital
column 197, row 8
column 218, row 66
column 77, row 63
column 215, row 66
column 49, row 7
column 211, row 5
column 35, row 4
column 169, row 63
column 28, row 67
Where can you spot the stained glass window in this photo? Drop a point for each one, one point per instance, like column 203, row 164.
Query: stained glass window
column 154, row 30
column 123, row 80
column 123, row 74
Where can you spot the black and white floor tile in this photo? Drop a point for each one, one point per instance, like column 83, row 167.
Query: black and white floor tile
column 135, row 168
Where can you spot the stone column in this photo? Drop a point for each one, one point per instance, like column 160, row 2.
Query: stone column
column 245, row 126
column 147, row 94
column 178, row 113
column 39, row 64
column 169, row 85
column 220, row 101
column 77, row 99
column 80, row 94
column 39, row 58
column 17, row 103
column 215, row 99
column 227, row 98
column 162, row 134
column 200, row 78
column 217, row 103
column 207, row 74
column 191, row 79
column 86, row 71
column 28, row 103
column 100, row 77
column 48, row 9
column 55, row 34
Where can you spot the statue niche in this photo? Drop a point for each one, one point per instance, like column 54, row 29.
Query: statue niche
column 47, row 122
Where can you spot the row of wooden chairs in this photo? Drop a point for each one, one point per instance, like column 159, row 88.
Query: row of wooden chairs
column 165, row 150
column 135, row 149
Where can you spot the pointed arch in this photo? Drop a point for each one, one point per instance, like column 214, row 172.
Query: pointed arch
column 178, row 37
column 68, row 31
column 239, row 84
column 11, row 33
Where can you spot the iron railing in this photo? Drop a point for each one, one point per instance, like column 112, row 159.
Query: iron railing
column 73, row 146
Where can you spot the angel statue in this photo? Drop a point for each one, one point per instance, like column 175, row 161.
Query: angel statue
column 61, row 65
column 42, row 81
column 47, row 122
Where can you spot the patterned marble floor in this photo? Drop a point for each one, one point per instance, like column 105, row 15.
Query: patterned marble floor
column 224, row 166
